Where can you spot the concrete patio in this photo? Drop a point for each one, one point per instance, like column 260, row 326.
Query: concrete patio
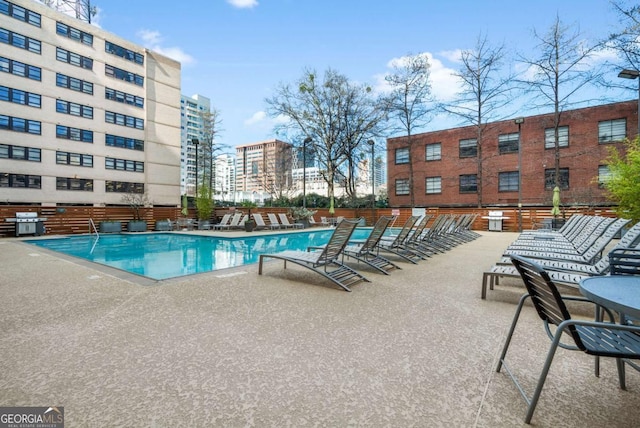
column 417, row 348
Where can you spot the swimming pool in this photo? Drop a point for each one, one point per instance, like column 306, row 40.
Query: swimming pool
column 168, row 255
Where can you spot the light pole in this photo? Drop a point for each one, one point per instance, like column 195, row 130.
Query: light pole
column 304, row 171
column 519, row 121
column 633, row 74
column 373, row 181
column 195, row 142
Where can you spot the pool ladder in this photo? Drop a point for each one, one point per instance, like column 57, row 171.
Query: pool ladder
column 93, row 225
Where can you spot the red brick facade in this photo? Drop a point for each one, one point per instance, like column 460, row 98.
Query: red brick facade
column 582, row 157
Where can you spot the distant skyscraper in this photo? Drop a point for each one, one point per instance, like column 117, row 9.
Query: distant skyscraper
column 191, row 110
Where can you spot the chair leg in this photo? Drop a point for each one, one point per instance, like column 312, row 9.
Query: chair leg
column 621, row 373
column 516, row 316
column 543, row 377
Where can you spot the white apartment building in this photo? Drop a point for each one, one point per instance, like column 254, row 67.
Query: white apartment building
column 191, row 124
column 85, row 116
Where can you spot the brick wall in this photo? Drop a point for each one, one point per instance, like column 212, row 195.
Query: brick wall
column 582, row 157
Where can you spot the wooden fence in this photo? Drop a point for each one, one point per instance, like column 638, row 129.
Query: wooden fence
column 66, row 220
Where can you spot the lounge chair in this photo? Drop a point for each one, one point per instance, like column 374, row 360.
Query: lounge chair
column 396, row 245
column 224, row 222
column 260, row 224
column 235, row 221
column 284, row 220
column 595, row 338
column 565, row 272
column 323, row 221
column 326, row 262
column 274, row 220
column 368, row 253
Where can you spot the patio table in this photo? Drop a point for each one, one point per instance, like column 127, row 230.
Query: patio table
column 620, row 293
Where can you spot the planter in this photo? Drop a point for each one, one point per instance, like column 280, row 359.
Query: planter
column 163, row 225
column 110, row 226
column 204, row 225
column 137, row 226
column 303, row 221
column 249, row 226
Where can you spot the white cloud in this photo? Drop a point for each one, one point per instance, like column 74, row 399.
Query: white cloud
column 243, row 4
column 452, row 56
column 444, row 84
column 153, row 40
column 257, row 118
column 261, row 120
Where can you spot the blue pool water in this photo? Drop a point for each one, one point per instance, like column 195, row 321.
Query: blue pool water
column 168, row 255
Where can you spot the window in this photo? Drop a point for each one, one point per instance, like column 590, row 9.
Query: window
column 469, row 183
column 74, row 84
column 123, row 97
column 123, row 165
column 123, row 187
column 75, row 159
column 7, row 151
column 124, row 142
column 550, row 181
column 74, row 59
column 563, row 137
column 433, row 185
column 74, row 134
column 19, row 13
column 20, row 69
column 508, row 143
column 433, row 152
column 508, row 181
column 468, row 148
column 123, row 120
column 20, row 125
column 20, row 180
column 79, row 184
column 402, row 186
column 604, row 174
column 19, row 97
column 127, row 76
column 20, row 41
column 612, row 130
column 402, row 155
column 74, row 34
column 74, row 109
column 127, row 54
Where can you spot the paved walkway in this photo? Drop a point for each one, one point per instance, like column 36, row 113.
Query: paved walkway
column 233, row 349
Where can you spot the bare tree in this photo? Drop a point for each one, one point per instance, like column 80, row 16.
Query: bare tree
column 561, row 70
column 208, row 147
column 336, row 114
column 627, row 41
column 409, row 100
column 485, row 91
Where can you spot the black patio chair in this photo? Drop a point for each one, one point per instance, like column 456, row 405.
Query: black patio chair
column 600, row 339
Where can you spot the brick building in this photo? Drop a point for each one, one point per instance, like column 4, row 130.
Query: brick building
column 446, row 164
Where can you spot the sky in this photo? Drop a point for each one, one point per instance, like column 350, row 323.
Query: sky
column 236, row 52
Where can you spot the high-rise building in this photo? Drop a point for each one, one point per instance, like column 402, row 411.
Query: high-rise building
column 263, row 170
column 85, row 116
column 192, row 131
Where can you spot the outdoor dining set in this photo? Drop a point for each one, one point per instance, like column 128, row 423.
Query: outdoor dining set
column 579, row 256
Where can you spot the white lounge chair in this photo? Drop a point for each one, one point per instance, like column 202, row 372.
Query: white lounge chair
column 274, row 221
column 260, row 224
column 284, row 220
column 235, row 221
